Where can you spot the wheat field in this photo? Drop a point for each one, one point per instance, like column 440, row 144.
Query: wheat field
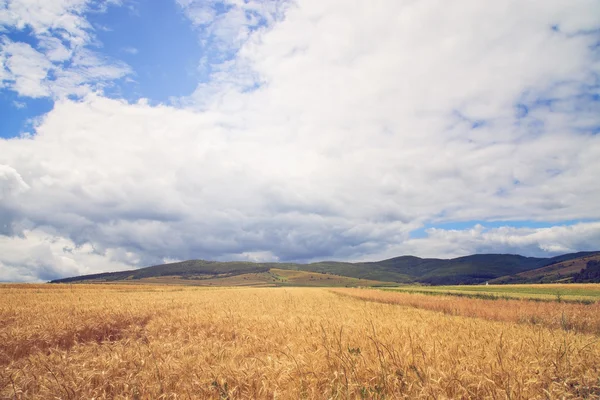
column 171, row 342
column 577, row 317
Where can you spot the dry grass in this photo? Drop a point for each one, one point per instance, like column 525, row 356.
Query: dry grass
column 181, row 342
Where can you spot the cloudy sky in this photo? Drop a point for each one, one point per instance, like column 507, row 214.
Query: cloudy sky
column 134, row 132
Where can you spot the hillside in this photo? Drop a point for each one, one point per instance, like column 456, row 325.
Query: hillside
column 269, row 278
column 192, row 269
column 472, row 269
column 559, row 271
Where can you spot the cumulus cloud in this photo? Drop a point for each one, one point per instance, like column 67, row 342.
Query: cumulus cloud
column 11, row 183
column 38, row 255
column 334, row 133
column 11, row 186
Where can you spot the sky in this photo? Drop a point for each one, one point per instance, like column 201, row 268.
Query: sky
column 136, row 132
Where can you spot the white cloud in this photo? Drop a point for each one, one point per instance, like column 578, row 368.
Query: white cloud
column 31, row 73
column 225, row 26
column 11, row 183
column 54, row 49
column 26, row 69
column 41, row 256
column 43, row 17
column 446, row 243
column 62, row 63
column 334, row 133
column 130, row 50
column 4, row 74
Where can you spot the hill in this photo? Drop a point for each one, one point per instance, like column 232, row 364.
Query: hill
column 271, row 277
column 192, row 269
column 562, row 270
column 474, row 269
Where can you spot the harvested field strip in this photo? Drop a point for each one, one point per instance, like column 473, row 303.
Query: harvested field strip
column 573, row 292
column 584, row 318
column 493, row 295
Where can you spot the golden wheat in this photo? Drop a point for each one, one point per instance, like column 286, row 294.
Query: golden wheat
column 174, row 342
column 583, row 318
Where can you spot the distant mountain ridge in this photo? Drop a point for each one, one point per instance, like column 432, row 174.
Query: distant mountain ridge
column 473, row 269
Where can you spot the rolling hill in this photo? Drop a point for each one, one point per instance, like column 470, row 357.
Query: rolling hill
column 559, row 271
column 474, row 269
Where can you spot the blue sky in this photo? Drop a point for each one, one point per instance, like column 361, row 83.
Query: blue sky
column 138, row 132
column 154, row 38
column 159, row 43
column 466, row 225
column 168, row 55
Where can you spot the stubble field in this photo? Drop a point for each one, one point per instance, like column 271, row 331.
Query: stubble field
column 124, row 341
